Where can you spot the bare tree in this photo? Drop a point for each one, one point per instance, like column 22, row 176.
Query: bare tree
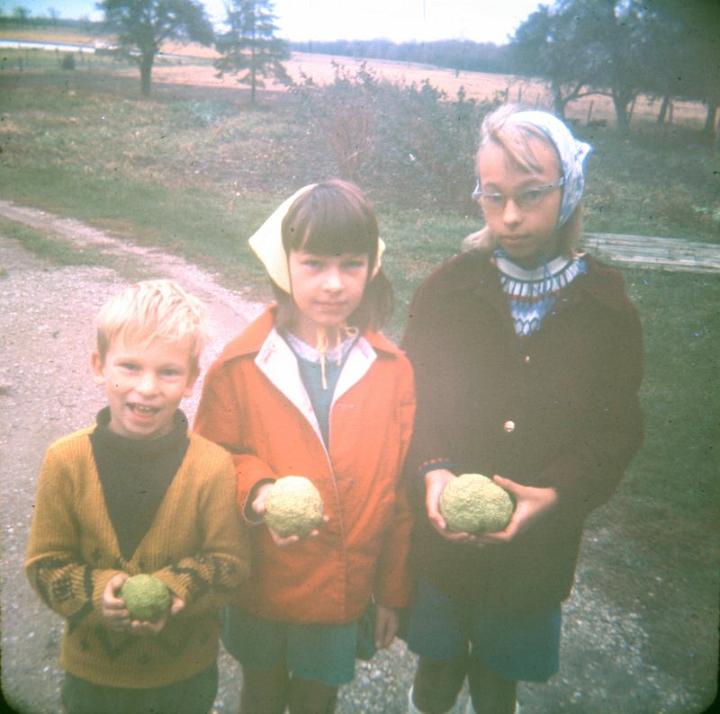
column 143, row 25
column 584, row 47
column 551, row 44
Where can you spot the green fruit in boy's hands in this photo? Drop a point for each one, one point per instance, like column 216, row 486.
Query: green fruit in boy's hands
column 473, row 503
column 146, row 597
column 293, row 507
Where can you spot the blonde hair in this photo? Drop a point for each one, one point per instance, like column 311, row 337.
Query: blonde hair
column 149, row 310
column 515, row 140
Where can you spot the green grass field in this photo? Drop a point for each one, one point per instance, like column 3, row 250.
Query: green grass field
column 195, row 171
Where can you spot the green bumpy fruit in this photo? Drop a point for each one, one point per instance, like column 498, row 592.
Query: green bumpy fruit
column 146, row 597
column 473, row 503
column 293, row 507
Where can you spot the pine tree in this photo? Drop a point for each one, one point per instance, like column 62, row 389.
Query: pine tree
column 250, row 45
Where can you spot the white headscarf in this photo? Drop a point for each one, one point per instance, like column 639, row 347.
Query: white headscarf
column 572, row 154
column 267, row 243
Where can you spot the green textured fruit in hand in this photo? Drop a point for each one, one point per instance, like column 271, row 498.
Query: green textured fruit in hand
column 146, row 597
column 473, row 503
column 293, row 507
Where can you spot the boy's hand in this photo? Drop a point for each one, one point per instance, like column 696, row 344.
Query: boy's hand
column 531, row 503
column 258, row 507
column 386, row 626
column 113, row 608
column 117, row 616
column 435, row 482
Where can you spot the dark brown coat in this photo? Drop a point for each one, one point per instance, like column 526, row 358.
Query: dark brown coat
column 559, row 408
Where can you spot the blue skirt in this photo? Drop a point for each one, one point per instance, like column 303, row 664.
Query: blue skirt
column 521, row 646
column 316, row 652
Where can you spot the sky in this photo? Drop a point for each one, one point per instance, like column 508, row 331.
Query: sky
column 396, row 20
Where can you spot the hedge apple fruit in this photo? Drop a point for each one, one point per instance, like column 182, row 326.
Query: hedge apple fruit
column 146, row 597
column 473, row 503
column 293, row 507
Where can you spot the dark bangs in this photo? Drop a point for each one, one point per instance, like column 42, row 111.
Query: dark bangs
column 332, row 218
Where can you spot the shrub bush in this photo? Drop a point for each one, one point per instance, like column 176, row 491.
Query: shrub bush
column 409, row 142
column 68, row 61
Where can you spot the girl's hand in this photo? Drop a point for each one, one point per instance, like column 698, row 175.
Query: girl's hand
column 114, row 612
column 386, row 626
column 258, row 507
column 531, row 503
column 261, row 494
column 435, row 482
column 145, row 627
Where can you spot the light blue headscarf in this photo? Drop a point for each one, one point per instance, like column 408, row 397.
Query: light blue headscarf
column 572, row 154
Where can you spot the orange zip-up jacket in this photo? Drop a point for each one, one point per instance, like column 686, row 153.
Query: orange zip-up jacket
column 255, row 405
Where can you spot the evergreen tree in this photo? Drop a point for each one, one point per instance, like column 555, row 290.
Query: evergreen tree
column 250, row 45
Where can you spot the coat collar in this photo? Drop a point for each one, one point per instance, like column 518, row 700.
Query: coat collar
column 473, row 271
column 252, row 339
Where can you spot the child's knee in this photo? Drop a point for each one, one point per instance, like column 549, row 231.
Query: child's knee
column 438, row 683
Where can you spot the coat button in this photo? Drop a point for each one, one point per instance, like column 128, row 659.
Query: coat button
column 509, row 426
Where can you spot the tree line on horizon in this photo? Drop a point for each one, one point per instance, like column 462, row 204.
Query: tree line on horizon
column 460, row 55
column 578, row 48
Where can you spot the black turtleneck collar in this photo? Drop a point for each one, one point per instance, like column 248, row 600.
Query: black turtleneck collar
column 135, row 474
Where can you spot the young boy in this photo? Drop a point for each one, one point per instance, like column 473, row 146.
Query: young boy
column 137, row 493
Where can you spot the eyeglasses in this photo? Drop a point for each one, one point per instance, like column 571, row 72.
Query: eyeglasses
column 526, row 199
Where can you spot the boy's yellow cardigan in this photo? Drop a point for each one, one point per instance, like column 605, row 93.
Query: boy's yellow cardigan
column 196, row 545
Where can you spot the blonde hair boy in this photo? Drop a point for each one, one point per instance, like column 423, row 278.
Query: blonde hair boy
column 149, row 310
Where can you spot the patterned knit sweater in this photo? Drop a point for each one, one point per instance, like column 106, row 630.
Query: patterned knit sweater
column 195, row 544
column 533, row 292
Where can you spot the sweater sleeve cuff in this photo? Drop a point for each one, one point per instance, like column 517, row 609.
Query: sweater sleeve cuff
column 432, row 464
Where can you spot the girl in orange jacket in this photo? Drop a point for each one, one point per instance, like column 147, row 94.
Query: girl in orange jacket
column 311, row 388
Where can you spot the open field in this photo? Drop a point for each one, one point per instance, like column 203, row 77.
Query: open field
column 476, row 85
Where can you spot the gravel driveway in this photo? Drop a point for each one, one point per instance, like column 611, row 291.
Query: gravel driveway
column 634, row 639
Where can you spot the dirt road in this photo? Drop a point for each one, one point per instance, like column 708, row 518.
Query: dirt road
column 636, row 637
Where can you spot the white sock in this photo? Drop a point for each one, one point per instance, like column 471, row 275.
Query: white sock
column 412, row 709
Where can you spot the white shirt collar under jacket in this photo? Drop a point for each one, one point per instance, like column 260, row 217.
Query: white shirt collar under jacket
column 278, row 363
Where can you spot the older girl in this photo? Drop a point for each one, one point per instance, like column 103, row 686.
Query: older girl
column 527, row 356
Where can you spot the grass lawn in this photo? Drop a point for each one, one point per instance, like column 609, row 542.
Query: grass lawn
column 195, row 171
